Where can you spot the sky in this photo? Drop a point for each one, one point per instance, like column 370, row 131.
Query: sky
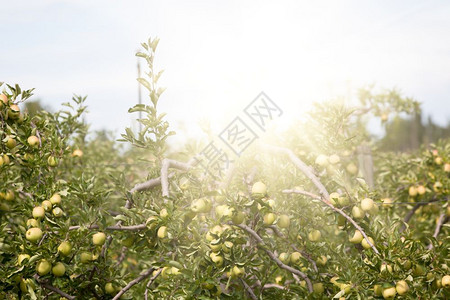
column 219, row 55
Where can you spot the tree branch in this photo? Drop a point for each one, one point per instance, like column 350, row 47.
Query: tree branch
column 133, row 282
column 150, row 283
column 249, row 290
column 410, row 214
column 53, row 289
column 441, row 221
column 260, row 242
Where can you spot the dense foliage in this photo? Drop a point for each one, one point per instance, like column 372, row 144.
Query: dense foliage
column 87, row 218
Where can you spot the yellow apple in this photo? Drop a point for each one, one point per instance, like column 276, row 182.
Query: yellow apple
column 57, row 212
column 334, row 159
column 389, row 293
column 99, row 238
column 377, row 290
column 269, row 219
column 259, row 189
column 110, row 289
column 52, row 161
column 216, row 258
column 358, row 213
column 55, row 199
column 199, row 205
column 38, row 212
column 33, row 141
column 162, row 232
column 412, row 191
column 64, row 248
column 47, row 205
column 295, row 257
column 387, row 202
column 352, row 168
column 21, row 258
column 284, row 257
column 43, row 267
column 321, row 160
column 14, row 112
column 4, row 99
column 11, row 142
column 59, row 269
column 86, row 257
column 10, row 195
column 437, row 186
column 366, row 245
column 318, row 288
column 438, row 160
column 77, row 153
column 163, row 213
column 314, row 235
column 283, row 221
column 237, row 272
column 334, row 198
column 367, row 204
column 421, row 190
column 447, row 167
column 401, row 287
column 238, row 218
column 33, row 234
column 385, row 268
column 32, row 223
column 445, row 281
column 322, row 260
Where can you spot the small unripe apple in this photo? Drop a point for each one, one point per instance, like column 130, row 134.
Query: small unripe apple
column 367, row 204
column 162, row 232
column 401, row 287
column 295, row 257
column 215, row 247
column 164, row 213
column 284, row 257
column 259, row 189
column 110, row 289
column 447, row 167
column 421, row 190
column 216, row 258
column 284, row 221
column 366, row 245
column 389, row 293
column 358, row 213
column 33, row 234
column 224, row 211
column 198, row 205
column 33, row 141
column 334, row 198
column 334, row 159
column 14, row 112
column 32, row 223
column 11, row 142
column 377, row 290
column 38, row 212
column 77, row 153
column 314, row 235
column 59, row 269
column 43, row 267
column 10, row 195
column 99, row 238
column 46, row 205
column 352, row 168
column 55, row 199
column 445, row 281
column 269, row 219
column 64, row 248
column 318, row 288
column 418, row 270
column 6, row 159
column 237, row 272
column 238, row 218
column 385, row 268
column 387, row 202
column 322, row 160
column 86, row 257
column 412, row 191
column 57, row 212
column 21, row 258
column 128, row 242
column 52, row 161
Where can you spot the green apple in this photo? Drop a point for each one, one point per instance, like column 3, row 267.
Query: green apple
column 227, row 246
column 295, row 257
column 98, row 238
column 321, row 160
column 237, row 272
column 341, row 220
column 365, row 244
column 128, row 241
column 224, row 211
column 318, row 288
column 110, row 289
column 55, row 199
column 34, row 234
column 314, row 235
column 64, row 248
column 163, row 213
column 162, row 232
column 389, row 292
column 259, row 189
column 322, row 260
column 385, row 268
column 47, row 205
column 57, row 212
column 367, row 204
column 418, row 270
column 33, row 141
column 445, row 281
column 32, row 223
column 356, row 238
column 334, row 159
column 43, row 267
column 86, row 257
column 199, row 205
column 10, row 195
column 14, row 112
column 334, row 198
column 377, row 290
column 215, row 245
column 284, row 221
column 11, row 142
column 269, row 219
column 52, row 161
column 216, row 258
column 21, row 258
column 38, row 212
column 387, row 202
column 238, row 218
column 412, row 191
column 59, row 269
column 358, row 213
column 284, row 257
column 401, row 287
column 352, row 168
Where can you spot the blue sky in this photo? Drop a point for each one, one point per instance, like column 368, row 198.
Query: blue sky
column 218, row 55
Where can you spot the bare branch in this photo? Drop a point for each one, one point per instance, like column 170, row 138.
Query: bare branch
column 133, row 282
column 280, row 264
column 249, row 290
column 410, row 214
column 441, row 221
column 170, row 163
column 150, row 283
column 50, row 287
column 274, row 286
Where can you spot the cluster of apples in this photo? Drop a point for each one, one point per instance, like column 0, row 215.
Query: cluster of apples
column 333, row 160
column 9, row 110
